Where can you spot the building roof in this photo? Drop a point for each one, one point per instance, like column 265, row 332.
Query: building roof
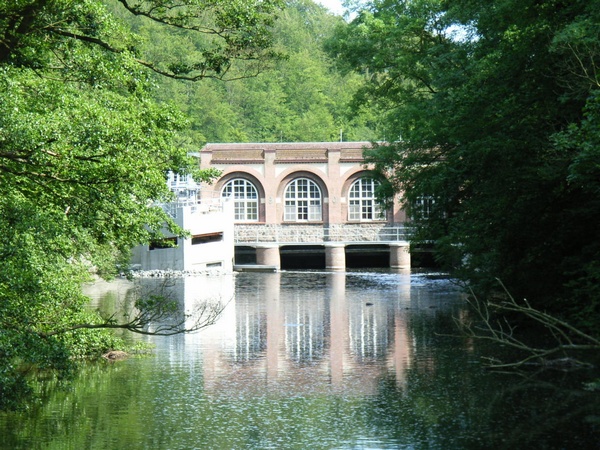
column 285, row 145
column 285, row 152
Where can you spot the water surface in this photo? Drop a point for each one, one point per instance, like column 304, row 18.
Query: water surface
column 306, row 360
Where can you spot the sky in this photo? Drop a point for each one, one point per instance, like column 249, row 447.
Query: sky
column 335, row 6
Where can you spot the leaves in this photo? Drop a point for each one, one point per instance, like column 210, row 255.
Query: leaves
column 84, row 154
column 302, row 98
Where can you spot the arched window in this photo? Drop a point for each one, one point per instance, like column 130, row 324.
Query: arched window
column 245, row 197
column 302, row 201
column 362, row 204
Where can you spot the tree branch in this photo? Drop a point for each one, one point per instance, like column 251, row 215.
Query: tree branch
column 156, row 316
column 89, row 39
column 18, row 26
column 567, row 339
column 154, row 14
column 220, row 72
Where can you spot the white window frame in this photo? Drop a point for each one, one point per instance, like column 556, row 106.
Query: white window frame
column 423, row 206
column 303, row 201
column 362, row 202
column 245, row 199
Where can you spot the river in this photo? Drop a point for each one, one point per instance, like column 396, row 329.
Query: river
column 309, row 360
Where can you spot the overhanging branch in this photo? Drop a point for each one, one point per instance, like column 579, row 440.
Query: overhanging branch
column 564, row 339
column 156, row 316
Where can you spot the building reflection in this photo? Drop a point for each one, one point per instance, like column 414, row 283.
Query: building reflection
column 370, row 327
column 289, row 337
column 250, row 332
column 305, row 329
column 301, row 338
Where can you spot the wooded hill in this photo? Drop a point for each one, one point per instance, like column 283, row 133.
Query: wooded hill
column 301, row 96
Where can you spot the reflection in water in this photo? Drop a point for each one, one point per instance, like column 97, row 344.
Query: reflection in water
column 308, row 326
column 307, row 361
column 369, row 332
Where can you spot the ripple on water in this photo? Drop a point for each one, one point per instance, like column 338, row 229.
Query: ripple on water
column 300, row 361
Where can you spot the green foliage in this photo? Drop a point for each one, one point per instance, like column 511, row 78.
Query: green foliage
column 84, row 153
column 490, row 110
column 304, row 97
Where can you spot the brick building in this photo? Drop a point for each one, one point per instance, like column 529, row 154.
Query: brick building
column 292, row 194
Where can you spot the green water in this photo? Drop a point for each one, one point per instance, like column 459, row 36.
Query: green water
column 310, row 361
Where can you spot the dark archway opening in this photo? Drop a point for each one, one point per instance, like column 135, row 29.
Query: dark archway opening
column 302, row 257
column 367, row 256
column 244, row 255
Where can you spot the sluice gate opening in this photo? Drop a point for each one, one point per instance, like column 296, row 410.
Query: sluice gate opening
column 302, row 257
column 367, row 256
column 313, row 257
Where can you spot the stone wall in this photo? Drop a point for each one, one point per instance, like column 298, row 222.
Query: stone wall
column 308, row 233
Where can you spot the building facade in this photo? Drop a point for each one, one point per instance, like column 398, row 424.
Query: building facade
column 303, row 193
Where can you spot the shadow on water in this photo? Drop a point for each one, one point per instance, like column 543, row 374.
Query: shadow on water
column 311, row 360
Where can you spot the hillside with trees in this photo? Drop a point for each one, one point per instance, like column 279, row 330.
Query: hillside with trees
column 300, row 96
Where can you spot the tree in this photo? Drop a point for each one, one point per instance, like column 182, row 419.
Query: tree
column 485, row 107
column 302, row 97
column 84, row 152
